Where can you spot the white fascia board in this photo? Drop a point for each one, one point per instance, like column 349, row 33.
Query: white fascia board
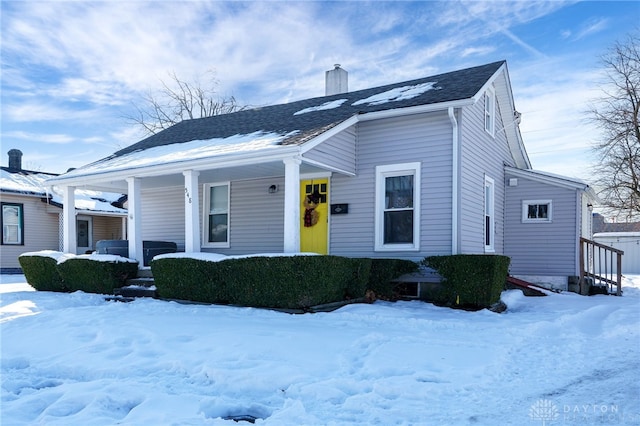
column 504, row 92
column 229, row 160
column 419, row 109
column 312, row 143
column 560, row 181
column 488, row 83
column 101, row 213
column 327, row 167
column 22, row 194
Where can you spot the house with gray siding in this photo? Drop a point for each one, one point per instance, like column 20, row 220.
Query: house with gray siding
column 406, row 170
column 32, row 212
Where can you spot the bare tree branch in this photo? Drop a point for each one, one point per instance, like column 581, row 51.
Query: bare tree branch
column 180, row 100
column 617, row 114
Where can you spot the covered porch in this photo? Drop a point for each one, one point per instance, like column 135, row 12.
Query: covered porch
column 175, row 195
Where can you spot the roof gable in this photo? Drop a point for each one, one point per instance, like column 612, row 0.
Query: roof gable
column 302, row 120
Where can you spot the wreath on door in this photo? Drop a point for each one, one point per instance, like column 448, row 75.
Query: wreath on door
column 310, row 203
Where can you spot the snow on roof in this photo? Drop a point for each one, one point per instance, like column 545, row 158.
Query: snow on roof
column 327, row 105
column 398, row 94
column 24, row 182
column 192, row 150
column 34, row 183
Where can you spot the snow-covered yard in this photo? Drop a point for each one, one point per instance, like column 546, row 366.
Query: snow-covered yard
column 76, row 359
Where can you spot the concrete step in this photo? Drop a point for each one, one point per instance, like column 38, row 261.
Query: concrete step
column 145, row 273
column 137, row 287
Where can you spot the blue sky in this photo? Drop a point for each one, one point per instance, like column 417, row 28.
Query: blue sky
column 72, row 70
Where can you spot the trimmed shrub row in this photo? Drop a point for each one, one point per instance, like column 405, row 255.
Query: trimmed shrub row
column 470, row 281
column 41, row 271
column 55, row 271
column 289, row 282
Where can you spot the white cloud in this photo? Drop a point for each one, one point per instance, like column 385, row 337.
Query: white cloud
column 39, row 137
column 84, row 62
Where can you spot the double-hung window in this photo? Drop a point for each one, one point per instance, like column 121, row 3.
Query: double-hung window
column 216, row 215
column 12, row 224
column 489, row 220
column 489, row 111
column 397, row 220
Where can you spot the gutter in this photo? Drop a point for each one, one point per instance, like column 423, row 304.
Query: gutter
column 455, row 181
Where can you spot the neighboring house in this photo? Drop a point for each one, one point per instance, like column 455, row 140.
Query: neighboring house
column 31, row 214
column 432, row 166
column 623, row 236
column 601, row 225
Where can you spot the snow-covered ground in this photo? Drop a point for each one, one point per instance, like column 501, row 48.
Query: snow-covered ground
column 76, row 359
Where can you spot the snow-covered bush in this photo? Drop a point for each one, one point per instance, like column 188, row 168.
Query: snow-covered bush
column 96, row 273
column 40, row 270
column 470, row 281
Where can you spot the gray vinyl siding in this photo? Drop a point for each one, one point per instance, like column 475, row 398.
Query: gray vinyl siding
column 256, row 217
column 41, row 230
column 425, row 138
column 338, row 152
column 163, row 214
column 541, row 248
column 481, row 154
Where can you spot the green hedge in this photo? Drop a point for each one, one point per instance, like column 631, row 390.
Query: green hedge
column 470, row 281
column 95, row 275
column 41, row 271
column 189, row 279
column 288, row 282
column 383, row 271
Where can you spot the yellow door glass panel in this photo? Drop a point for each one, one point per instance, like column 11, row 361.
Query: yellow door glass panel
column 314, row 215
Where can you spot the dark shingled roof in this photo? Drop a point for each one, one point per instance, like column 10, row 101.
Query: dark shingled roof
column 451, row 86
column 600, row 225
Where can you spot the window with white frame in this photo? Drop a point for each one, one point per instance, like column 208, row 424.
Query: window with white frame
column 489, row 111
column 216, row 215
column 489, row 219
column 397, row 221
column 536, row 211
column 12, row 224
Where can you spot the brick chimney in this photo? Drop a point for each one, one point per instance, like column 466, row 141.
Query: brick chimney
column 15, row 159
column 336, row 81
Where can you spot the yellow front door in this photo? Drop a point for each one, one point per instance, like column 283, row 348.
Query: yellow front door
column 314, row 215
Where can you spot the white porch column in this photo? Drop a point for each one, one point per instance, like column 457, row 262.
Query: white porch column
column 135, row 220
column 69, row 238
column 124, row 228
column 191, row 212
column 292, row 205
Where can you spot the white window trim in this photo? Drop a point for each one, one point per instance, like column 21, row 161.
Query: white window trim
column 490, row 110
column 205, row 215
column 525, row 211
column 489, row 248
column 382, row 172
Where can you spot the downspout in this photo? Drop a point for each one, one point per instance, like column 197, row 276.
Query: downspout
column 455, row 181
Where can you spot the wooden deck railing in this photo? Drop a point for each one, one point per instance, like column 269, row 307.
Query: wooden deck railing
column 601, row 263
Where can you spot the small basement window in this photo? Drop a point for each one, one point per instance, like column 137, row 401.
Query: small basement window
column 536, row 211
